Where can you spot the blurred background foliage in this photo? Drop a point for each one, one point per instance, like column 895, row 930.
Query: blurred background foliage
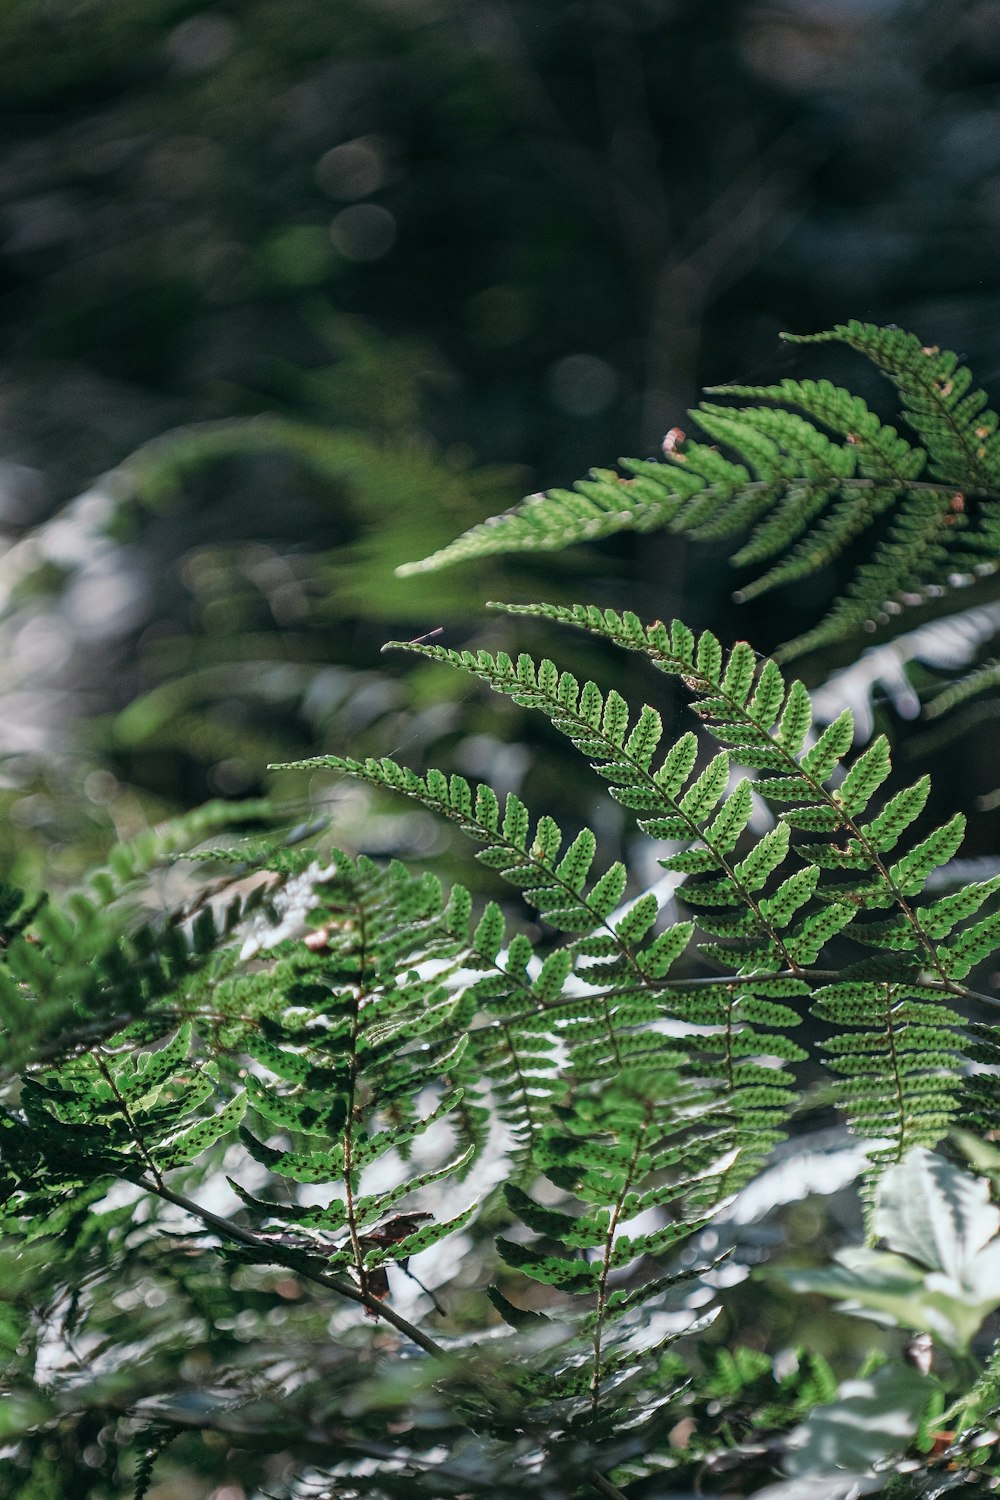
column 292, row 291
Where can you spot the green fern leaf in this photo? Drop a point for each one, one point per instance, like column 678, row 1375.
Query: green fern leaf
column 754, row 871
column 554, row 973
column 940, row 917
column 910, row 872
column 724, row 831
column 796, row 719
column 881, row 452
column 636, row 922
column 182, row 1148
column 809, row 495
column 741, row 668
column 898, row 1062
column 884, row 831
column 142, row 1075
column 957, row 428
column 489, row 934
column 790, row 896
column 421, row 1239
column 569, row 1275
column 832, row 745
column 664, row 951
column 865, row 777
column 768, row 697
column 974, row 945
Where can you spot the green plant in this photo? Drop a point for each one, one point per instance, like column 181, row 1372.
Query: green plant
column 307, row 1080
column 807, row 495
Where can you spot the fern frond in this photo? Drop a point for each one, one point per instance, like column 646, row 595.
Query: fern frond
column 898, row 1056
column 617, row 1152
column 126, row 1113
column 71, row 978
column 674, row 803
column 80, row 970
column 764, row 723
column 375, row 1054
column 919, row 549
column 532, row 857
column 879, row 450
column 808, row 495
column 596, row 507
column 741, row 1045
column 767, row 732
column 348, row 1004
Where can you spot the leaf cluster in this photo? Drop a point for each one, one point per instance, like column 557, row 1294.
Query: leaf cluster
column 807, row 470
column 499, row 1138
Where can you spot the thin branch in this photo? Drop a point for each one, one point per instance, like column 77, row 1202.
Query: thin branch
column 228, row 1230
column 605, row 1487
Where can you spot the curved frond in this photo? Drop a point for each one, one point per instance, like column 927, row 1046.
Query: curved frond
column 808, row 468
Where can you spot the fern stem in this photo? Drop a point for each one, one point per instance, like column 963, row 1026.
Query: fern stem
column 605, row 1487
column 133, row 1129
column 352, row 1088
column 602, row 1287
column 268, row 1251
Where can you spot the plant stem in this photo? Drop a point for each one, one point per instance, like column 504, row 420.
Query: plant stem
column 227, row 1230
column 605, row 1487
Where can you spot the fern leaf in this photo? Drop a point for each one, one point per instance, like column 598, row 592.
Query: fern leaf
column 865, row 777
column 972, row 946
column 754, row 871
column 940, row 917
column 832, row 745
column 910, row 872
column 600, row 729
column 142, row 1075
column 527, row 861
column 918, row 551
column 182, row 1148
column 664, row 951
column 881, row 453
column 954, row 423
column 885, row 830
column 796, row 719
column 809, row 484
column 598, row 507
column 703, row 796
column 899, row 1060
column 702, row 667
column 420, row 1239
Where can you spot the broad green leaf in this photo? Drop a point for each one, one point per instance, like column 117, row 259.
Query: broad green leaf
column 935, row 1213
